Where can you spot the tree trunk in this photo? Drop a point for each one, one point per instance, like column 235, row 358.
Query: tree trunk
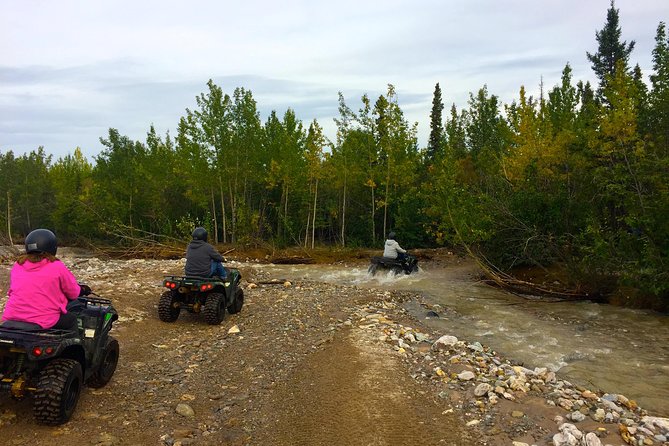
column 373, row 217
column 343, row 215
column 223, row 216
column 385, row 204
column 313, row 222
column 233, row 212
column 306, row 232
column 9, row 219
column 213, row 210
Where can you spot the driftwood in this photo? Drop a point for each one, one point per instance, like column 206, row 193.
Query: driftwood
column 494, row 276
column 271, row 282
column 292, row 260
column 138, row 243
column 497, row 277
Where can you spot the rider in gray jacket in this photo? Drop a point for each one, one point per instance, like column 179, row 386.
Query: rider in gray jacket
column 202, row 259
column 392, row 249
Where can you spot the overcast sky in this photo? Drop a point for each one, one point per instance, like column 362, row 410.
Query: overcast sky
column 70, row 70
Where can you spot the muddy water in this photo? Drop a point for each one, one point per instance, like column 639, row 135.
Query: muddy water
column 606, row 348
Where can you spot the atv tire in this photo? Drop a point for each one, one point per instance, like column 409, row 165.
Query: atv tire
column 236, row 305
column 372, row 269
column 107, row 367
column 214, row 308
column 168, row 307
column 58, row 389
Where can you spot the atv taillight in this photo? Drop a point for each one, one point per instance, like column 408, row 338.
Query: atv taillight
column 206, row 286
column 37, row 351
column 48, row 350
column 171, row 285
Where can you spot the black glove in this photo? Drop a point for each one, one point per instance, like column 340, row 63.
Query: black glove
column 85, row 290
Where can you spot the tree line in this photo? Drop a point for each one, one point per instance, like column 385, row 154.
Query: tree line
column 576, row 176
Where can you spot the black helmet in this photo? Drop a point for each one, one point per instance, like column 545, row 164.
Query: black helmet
column 391, row 236
column 200, row 234
column 41, row 240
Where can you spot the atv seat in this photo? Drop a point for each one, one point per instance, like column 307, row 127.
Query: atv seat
column 18, row 325
column 29, row 327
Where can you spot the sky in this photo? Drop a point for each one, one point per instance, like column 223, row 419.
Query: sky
column 70, row 70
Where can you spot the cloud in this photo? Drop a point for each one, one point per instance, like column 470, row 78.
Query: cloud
column 70, row 70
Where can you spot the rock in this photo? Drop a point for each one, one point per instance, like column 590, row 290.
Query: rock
column 660, row 423
column 599, row 415
column 482, row 389
column 517, row 414
column 466, row 375
column 576, row 416
column 591, row 439
column 287, row 284
column 564, row 439
column 234, row 329
column 444, row 342
column 572, row 430
column 185, row 410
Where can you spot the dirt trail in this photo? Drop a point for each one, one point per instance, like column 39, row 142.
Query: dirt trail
column 348, row 394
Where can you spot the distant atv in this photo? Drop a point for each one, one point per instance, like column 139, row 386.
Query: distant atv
column 53, row 365
column 208, row 295
column 407, row 266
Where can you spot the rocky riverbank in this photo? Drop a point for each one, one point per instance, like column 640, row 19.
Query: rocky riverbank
column 313, row 363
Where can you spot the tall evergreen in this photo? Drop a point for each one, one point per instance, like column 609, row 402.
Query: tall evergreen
column 435, row 145
column 659, row 96
column 610, row 49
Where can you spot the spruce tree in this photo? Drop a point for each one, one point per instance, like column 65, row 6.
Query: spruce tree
column 435, row 145
column 610, row 49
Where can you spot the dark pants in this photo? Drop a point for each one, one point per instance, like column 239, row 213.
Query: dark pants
column 68, row 321
column 218, row 270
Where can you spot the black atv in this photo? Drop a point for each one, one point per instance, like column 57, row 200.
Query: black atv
column 407, row 266
column 53, row 365
column 208, row 295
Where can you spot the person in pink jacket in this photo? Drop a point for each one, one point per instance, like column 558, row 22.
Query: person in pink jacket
column 41, row 286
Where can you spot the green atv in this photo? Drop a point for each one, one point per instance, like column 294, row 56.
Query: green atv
column 208, row 295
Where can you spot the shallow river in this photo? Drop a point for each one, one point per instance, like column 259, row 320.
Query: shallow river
column 602, row 347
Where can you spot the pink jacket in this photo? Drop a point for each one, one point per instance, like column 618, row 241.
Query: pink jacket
column 39, row 292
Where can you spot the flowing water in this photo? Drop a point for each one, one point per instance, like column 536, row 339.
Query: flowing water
column 602, row 347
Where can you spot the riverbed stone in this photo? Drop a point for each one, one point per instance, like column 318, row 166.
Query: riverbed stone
column 185, row 410
column 598, row 415
column 482, row 389
column 466, row 375
column 576, row 416
column 445, row 342
column 591, row 439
